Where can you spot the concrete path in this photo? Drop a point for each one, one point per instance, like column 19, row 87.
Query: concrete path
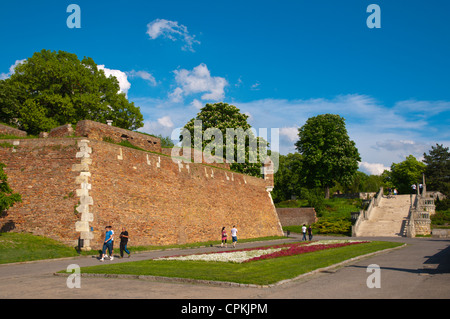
column 419, row 270
column 386, row 219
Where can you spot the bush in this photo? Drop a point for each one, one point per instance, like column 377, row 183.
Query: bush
column 441, row 218
column 315, row 199
column 333, row 225
column 442, row 205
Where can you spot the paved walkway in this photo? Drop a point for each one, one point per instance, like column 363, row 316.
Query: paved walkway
column 419, row 270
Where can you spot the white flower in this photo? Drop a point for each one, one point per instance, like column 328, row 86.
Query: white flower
column 333, row 241
column 235, row 257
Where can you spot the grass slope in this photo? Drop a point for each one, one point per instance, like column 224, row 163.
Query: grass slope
column 17, row 247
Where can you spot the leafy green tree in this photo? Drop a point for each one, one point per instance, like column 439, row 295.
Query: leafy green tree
column 362, row 182
column 288, row 178
column 406, row 173
column 329, row 156
column 7, row 197
column 437, row 171
column 56, row 88
column 217, row 120
column 165, row 141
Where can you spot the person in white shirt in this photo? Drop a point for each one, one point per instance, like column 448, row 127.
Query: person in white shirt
column 234, row 236
column 304, row 232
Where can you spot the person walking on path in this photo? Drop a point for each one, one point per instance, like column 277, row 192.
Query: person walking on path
column 112, row 240
column 234, row 236
column 224, row 237
column 123, row 242
column 304, row 232
column 107, row 244
column 310, row 235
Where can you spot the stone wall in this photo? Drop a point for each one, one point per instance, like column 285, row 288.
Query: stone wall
column 41, row 171
column 62, row 131
column 7, row 130
column 178, row 152
column 440, row 233
column 296, row 216
column 99, row 131
column 74, row 187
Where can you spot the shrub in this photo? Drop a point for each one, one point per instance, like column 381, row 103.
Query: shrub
column 333, row 225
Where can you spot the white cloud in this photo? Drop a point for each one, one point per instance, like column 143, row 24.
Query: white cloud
column 143, row 75
column 373, row 168
column 197, row 104
column 290, row 132
column 12, row 68
column 173, row 31
column 199, row 80
column 177, row 95
column 255, row 87
column 421, row 108
column 124, row 85
column 165, row 121
column 163, row 126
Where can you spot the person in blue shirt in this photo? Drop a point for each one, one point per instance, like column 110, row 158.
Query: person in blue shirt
column 107, row 244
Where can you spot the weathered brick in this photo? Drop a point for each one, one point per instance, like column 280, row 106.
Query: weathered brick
column 158, row 201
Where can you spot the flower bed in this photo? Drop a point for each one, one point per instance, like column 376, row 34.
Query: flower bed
column 298, row 248
column 252, row 254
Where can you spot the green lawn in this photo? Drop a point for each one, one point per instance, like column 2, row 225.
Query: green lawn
column 262, row 272
column 16, row 247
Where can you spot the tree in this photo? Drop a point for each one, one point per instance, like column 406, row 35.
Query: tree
column 165, row 141
column 287, row 179
column 406, row 173
column 7, row 197
column 51, row 89
column 217, row 121
column 329, row 156
column 437, row 172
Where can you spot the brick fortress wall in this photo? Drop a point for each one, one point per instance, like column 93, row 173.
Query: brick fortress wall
column 74, row 187
column 297, row 216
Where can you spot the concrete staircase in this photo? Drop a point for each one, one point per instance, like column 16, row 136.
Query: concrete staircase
column 387, row 219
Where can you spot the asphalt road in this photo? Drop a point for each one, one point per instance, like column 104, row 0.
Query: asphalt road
column 420, row 270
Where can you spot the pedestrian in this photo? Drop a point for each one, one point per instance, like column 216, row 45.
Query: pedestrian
column 310, row 235
column 123, row 242
column 107, row 244
column 112, row 240
column 304, row 232
column 395, row 192
column 234, row 236
column 224, row 237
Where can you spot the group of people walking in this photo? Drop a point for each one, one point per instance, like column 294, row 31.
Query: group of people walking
column 307, row 230
column 225, row 237
column 108, row 244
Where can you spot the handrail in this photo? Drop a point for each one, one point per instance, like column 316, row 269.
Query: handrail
column 365, row 214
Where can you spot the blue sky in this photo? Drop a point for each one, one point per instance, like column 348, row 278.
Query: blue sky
column 280, row 62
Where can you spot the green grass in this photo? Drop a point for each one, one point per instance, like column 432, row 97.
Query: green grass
column 262, row 272
column 17, row 247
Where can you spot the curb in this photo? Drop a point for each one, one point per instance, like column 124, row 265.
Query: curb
column 227, row 283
